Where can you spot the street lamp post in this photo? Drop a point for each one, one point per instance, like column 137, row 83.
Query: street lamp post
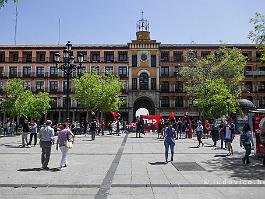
column 228, row 105
column 68, row 67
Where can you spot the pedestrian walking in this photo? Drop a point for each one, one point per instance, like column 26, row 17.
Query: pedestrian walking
column 215, row 132
column 222, row 135
column 246, row 140
column 187, row 130
column 179, row 129
column 46, row 136
column 25, row 132
column 161, row 126
column 93, row 129
column 65, row 136
column 34, row 131
column 139, row 127
column 5, row 128
column 207, row 126
column 169, row 141
column 199, row 133
column 229, row 136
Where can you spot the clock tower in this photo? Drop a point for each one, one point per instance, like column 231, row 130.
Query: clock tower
column 143, row 71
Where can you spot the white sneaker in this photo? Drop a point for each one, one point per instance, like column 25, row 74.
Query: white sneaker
column 29, row 146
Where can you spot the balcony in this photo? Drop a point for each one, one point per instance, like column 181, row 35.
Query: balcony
column 164, row 75
column 254, row 73
column 123, row 75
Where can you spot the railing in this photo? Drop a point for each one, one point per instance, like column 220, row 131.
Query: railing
column 254, row 72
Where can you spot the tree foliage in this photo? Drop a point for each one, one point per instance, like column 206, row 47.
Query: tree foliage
column 98, row 92
column 210, row 80
column 258, row 34
column 21, row 102
column 3, row 2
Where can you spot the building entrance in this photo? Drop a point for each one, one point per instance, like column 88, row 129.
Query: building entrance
column 141, row 104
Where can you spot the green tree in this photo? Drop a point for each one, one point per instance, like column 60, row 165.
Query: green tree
column 98, row 92
column 14, row 88
column 258, row 34
column 225, row 68
column 3, row 2
column 21, row 102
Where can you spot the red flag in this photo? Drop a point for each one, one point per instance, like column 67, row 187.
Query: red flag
column 171, row 115
column 115, row 114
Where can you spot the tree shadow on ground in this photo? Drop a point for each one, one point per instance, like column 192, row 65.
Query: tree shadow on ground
column 39, row 169
column 157, row 163
column 235, row 167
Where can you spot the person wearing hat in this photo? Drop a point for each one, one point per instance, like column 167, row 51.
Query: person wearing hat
column 169, row 141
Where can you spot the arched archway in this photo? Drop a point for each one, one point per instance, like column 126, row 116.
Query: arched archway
column 144, row 102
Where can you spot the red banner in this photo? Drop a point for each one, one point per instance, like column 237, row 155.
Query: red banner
column 151, row 121
column 257, row 124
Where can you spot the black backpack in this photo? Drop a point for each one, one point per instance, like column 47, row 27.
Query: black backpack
column 244, row 137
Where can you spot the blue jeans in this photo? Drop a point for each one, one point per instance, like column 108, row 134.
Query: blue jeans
column 169, row 143
column 248, row 152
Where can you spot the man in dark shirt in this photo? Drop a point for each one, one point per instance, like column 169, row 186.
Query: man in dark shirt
column 25, row 131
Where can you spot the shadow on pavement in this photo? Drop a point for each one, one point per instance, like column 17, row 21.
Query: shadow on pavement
column 13, row 146
column 235, row 167
column 39, row 169
column 157, row 163
column 193, row 147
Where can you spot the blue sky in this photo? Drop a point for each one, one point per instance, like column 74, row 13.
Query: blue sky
column 114, row 21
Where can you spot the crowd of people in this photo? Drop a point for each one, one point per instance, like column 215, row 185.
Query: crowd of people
column 170, row 130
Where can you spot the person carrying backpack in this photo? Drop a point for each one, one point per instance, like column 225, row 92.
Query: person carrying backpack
column 246, row 140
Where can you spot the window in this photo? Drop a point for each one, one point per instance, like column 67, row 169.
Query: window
column 2, row 57
column 134, row 60
column 81, row 70
column 65, row 101
column 95, row 56
column 53, row 86
column 153, row 60
column 164, row 87
column 262, row 86
column 95, row 69
column 262, row 102
column 164, row 71
column 28, row 57
column 258, row 55
column 144, row 81
column 176, row 72
column 1, row 71
column 42, row 57
column 124, row 102
column 262, row 68
column 1, row 86
column 54, row 71
column 205, row 54
column 65, row 86
column 165, row 101
column 39, row 86
column 27, row 85
column 40, row 71
column 15, row 57
column 53, row 102
column 153, row 83
column 108, row 70
column 179, row 87
column 123, row 71
column 109, row 57
column 179, row 102
column 134, row 83
column 123, row 57
column 248, row 86
column 178, row 56
column 26, row 71
column 12, row 71
column 164, row 56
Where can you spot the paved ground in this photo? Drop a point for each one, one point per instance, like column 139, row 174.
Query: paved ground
column 127, row 167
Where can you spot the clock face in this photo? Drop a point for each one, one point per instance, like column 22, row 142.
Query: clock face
column 143, row 57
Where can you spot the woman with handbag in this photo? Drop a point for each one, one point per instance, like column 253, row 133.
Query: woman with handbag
column 64, row 141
